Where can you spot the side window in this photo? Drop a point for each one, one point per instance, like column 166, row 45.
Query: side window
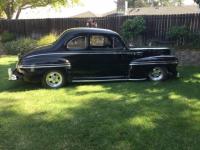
column 117, row 44
column 78, row 43
column 100, row 41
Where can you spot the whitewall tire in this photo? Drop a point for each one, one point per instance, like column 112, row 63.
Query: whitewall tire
column 158, row 74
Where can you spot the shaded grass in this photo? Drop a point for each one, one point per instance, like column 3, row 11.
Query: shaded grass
column 120, row 115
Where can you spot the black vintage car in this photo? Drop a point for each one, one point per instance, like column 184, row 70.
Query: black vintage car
column 92, row 54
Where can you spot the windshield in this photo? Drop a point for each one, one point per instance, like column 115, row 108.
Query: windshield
column 60, row 37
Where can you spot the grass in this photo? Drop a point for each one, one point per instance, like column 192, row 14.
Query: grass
column 118, row 116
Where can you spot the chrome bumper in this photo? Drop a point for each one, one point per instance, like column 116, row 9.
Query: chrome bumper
column 11, row 76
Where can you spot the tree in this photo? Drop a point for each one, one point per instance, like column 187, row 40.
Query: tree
column 10, row 7
column 131, row 4
column 2, row 14
column 137, row 3
column 197, row 1
column 147, row 3
column 132, row 30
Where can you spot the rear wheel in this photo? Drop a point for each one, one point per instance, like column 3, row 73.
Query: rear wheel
column 53, row 79
column 158, row 74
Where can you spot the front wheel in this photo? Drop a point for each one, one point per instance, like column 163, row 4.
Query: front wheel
column 158, row 74
column 53, row 79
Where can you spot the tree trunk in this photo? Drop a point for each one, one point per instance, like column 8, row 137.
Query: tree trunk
column 9, row 11
column 8, row 14
column 18, row 13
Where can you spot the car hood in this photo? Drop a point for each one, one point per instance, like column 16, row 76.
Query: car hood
column 38, row 50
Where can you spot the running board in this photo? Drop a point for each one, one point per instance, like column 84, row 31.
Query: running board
column 108, row 80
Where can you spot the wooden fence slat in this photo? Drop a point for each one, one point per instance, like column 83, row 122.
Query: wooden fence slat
column 156, row 25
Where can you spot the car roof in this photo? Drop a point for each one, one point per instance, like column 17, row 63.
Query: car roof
column 90, row 30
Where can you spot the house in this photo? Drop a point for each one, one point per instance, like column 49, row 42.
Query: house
column 86, row 14
column 157, row 11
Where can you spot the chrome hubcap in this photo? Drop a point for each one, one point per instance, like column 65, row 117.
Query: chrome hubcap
column 156, row 74
column 54, row 79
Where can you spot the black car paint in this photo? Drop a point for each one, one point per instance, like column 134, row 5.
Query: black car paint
column 91, row 63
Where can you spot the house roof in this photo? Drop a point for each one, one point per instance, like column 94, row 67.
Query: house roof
column 159, row 10
column 164, row 10
column 86, row 14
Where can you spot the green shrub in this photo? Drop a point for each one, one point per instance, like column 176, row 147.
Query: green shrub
column 178, row 32
column 46, row 40
column 184, row 38
column 133, row 27
column 193, row 41
column 24, row 45
column 21, row 45
column 7, row 36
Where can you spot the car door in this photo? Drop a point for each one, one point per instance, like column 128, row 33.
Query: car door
column 126, row 55
column 93, row 56
column 80, row 56
column 106, row 58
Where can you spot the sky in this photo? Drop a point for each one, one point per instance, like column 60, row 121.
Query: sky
column 96, row 6
column 99, row 6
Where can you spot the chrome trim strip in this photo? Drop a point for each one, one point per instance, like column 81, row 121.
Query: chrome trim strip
column 155, row 62
column 149, row 48
column 131, row 51
column 100, row 78
column 41, row 66
column 152, row 63
column 86, row 53
column 75, row 81
column 137, row 79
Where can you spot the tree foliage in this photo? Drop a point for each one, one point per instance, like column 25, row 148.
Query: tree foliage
column 137, row 3
column 197, row 1
column 133, row 27
column 10, row 7
column 178, row 32
column 147, row 3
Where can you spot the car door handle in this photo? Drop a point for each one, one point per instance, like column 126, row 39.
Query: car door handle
column 138, row 53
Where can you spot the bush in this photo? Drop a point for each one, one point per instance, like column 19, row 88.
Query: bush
column 133, row 27
column 7, row 36
column 22, row 46
column 193, row 41
column 46, row 40
column 184, row 38
column 178, row 32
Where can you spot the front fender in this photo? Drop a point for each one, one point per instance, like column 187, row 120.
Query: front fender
column 35, row 67
column 155, row 60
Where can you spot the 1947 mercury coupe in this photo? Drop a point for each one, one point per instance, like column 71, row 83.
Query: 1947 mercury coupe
column 92, row 54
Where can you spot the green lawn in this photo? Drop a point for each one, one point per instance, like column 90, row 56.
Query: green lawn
column 104, row 116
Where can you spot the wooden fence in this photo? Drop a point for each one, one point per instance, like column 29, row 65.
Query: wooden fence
column 157, row 25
